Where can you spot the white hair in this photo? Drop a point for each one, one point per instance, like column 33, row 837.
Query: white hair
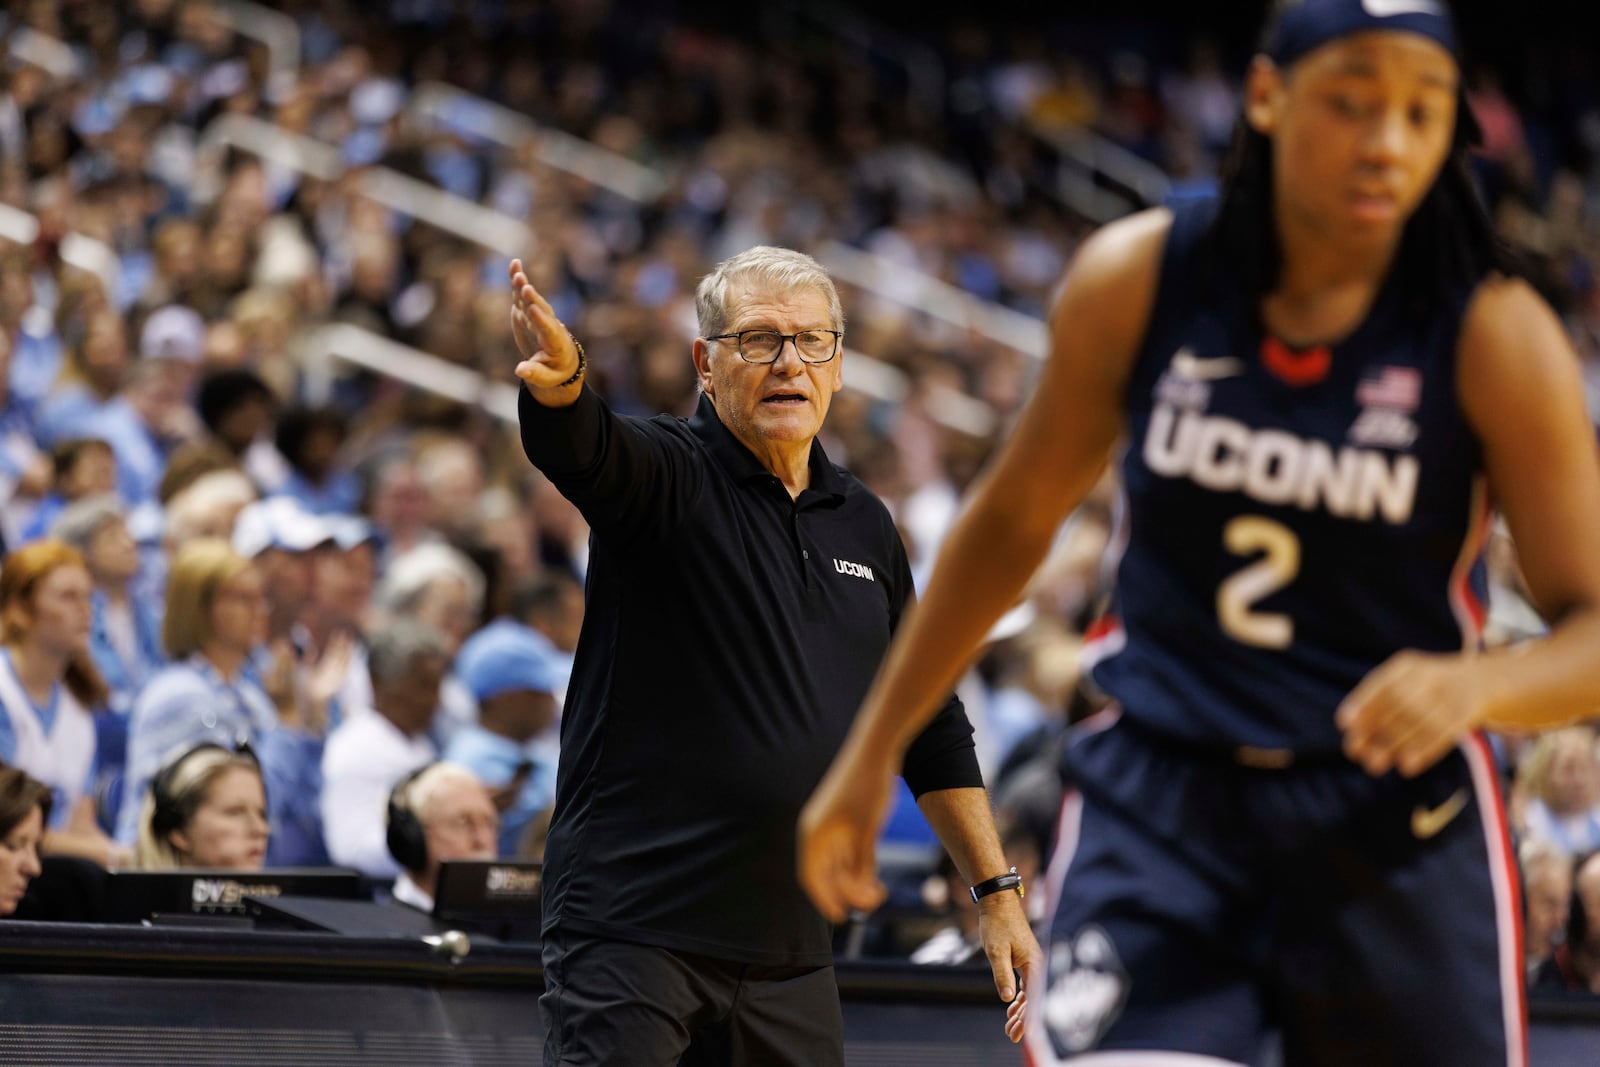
column 423, row 792
column 778, row 270
column 80, row 520
column 191, row 511
column 1537, row 854
column 395, row 648
column 441, row 461
column 410, row 576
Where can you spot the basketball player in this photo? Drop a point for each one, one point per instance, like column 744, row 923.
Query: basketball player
column 1289, row 820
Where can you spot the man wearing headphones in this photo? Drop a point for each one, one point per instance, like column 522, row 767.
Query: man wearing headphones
column 438, row 813
column 1575, row 966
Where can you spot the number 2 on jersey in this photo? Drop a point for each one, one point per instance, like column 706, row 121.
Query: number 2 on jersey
column 1248, row 535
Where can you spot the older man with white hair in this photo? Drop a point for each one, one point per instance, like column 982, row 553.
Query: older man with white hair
column 742, row 590
column 438, row 814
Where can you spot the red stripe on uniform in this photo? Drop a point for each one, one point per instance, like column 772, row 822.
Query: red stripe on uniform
column 1036, row 1048
column 1480, row 758
column 1102, row 627
column 1471, row 613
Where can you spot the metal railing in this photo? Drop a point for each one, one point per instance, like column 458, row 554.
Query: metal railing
column 85, row 253
column 508, row 236
column 474, row 115
column 54, row 57
column 343, row 343
column 1090, row 161
column 273, row 29
column 408, row 196
column 938, row 299
column 887, row 384
column 457, row 109
column 496, row 232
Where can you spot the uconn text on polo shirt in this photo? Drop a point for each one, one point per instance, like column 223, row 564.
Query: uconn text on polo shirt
column 730, row 635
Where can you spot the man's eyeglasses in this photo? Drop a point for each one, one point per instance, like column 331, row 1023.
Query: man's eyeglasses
column 765, row 346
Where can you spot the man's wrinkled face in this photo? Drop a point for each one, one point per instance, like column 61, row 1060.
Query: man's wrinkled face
column 783, row 402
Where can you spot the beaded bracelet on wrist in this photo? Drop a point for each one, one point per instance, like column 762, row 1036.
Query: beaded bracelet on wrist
column 583, row 364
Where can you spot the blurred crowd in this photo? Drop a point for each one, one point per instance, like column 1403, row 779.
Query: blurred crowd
column 330, row 580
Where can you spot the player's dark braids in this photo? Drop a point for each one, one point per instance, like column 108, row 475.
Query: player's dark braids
column 1448, row 245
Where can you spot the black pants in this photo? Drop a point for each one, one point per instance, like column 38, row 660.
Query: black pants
column 619, row 1004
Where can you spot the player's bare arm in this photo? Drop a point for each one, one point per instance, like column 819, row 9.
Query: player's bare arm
column 1520, row 388
column 1049, row 464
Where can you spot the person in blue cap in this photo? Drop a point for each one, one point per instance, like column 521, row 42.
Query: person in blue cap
column 1289, row 820
column 513, row 674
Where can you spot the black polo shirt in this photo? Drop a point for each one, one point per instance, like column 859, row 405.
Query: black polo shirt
column 730, row 636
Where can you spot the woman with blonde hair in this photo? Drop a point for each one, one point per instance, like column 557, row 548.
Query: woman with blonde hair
column 47, row 686
column 207, row 808
column 1558, row 786
column 216, row 622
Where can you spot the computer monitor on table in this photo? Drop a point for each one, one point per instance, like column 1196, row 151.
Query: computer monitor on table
column 199, row 895
column 499, row 898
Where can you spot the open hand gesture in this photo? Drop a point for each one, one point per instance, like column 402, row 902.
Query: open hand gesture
column 549, row 355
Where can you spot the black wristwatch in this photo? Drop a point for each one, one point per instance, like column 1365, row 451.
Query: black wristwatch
column 999, row 884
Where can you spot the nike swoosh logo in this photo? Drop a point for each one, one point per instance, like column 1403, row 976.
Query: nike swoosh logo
column 1185, row 364
column 1427, row 822
column 1388, row 9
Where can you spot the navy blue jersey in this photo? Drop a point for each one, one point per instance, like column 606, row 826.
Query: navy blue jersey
column 1292, row 518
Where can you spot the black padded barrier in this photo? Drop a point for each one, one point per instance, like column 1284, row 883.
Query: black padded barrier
column 81, row 995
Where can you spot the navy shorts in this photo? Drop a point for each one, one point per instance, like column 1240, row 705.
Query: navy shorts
column 1199, row 906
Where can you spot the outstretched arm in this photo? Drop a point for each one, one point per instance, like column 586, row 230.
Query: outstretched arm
column 622, row 475
column 1052, row 460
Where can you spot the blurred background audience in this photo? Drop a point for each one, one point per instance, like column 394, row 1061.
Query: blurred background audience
column 253, row 324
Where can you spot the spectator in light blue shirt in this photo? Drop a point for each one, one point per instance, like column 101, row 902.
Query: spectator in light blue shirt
column 513, row 673
column 216, row 616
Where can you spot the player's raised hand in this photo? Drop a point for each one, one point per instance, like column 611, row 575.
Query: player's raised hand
column 1410, row 711
column 837, row 842
column 549, row 355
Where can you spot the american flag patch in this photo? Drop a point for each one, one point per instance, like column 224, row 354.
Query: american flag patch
column 1395, row 388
